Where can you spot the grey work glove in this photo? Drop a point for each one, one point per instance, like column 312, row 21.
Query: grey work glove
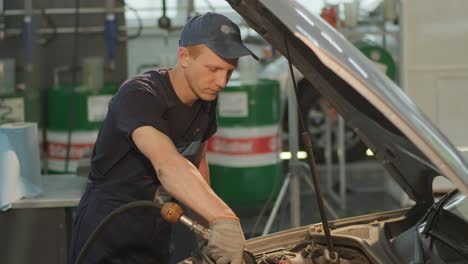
column 226, row 241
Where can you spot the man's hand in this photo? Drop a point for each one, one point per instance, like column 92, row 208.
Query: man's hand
column 226, row 241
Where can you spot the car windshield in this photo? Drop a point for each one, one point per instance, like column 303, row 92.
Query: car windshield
column 447, row 224
column 458, row 205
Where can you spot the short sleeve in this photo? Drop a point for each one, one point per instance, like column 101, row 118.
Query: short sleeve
column 137, row 104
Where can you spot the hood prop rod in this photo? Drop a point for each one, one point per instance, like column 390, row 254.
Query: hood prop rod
column 306, row 138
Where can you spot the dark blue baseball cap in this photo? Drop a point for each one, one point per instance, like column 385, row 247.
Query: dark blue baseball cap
column 218, row 33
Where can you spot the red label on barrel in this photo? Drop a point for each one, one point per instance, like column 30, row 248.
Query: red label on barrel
column 243, row 146
column 58, row 151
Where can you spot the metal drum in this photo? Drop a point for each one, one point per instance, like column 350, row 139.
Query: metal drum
column 89, row 110
column 243, row 155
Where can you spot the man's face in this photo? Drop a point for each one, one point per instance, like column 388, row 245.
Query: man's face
column 208, row 73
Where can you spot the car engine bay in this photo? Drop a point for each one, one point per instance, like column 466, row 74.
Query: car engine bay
column 312, row 253
column 365, row 242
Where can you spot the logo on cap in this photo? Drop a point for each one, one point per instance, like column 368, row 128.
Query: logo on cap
column 228, row 30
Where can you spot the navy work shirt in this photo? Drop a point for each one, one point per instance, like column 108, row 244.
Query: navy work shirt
column 146, row 100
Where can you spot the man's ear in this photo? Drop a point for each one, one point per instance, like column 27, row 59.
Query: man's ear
column 183, row 55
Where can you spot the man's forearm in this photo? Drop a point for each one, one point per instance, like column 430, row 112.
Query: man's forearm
column 178, row 176
column 185, row 183
column 205, row 171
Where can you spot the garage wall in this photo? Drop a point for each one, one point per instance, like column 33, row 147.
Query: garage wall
column 155, row 49
column 435, row 62
column 59, row 51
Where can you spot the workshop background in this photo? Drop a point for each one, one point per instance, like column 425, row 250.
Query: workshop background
column 61, row 62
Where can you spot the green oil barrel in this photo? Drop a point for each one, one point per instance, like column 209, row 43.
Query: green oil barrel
column 89, row 110
column 243, row 155
column 380, row 56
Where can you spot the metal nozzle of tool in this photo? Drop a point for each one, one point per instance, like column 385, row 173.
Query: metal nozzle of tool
column 173, row 213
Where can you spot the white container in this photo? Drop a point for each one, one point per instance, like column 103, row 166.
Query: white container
column 20, row 171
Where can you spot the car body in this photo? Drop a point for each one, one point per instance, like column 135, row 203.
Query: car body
column 401, row 137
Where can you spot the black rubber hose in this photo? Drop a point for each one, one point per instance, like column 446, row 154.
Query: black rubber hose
column 106, row 220
column 248, row 257
column 139, row 21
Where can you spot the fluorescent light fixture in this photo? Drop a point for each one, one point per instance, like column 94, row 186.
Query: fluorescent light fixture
column 285, row 155
column 357, row 67
column 305, row 17
column 301, row 155
column 462, row 148
column 332, row 42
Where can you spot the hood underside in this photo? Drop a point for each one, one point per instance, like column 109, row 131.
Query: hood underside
column 411, row 149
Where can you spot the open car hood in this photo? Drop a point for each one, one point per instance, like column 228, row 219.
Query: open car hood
column 411, row 149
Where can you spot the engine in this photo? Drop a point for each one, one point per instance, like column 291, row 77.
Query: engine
column 309, row 252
